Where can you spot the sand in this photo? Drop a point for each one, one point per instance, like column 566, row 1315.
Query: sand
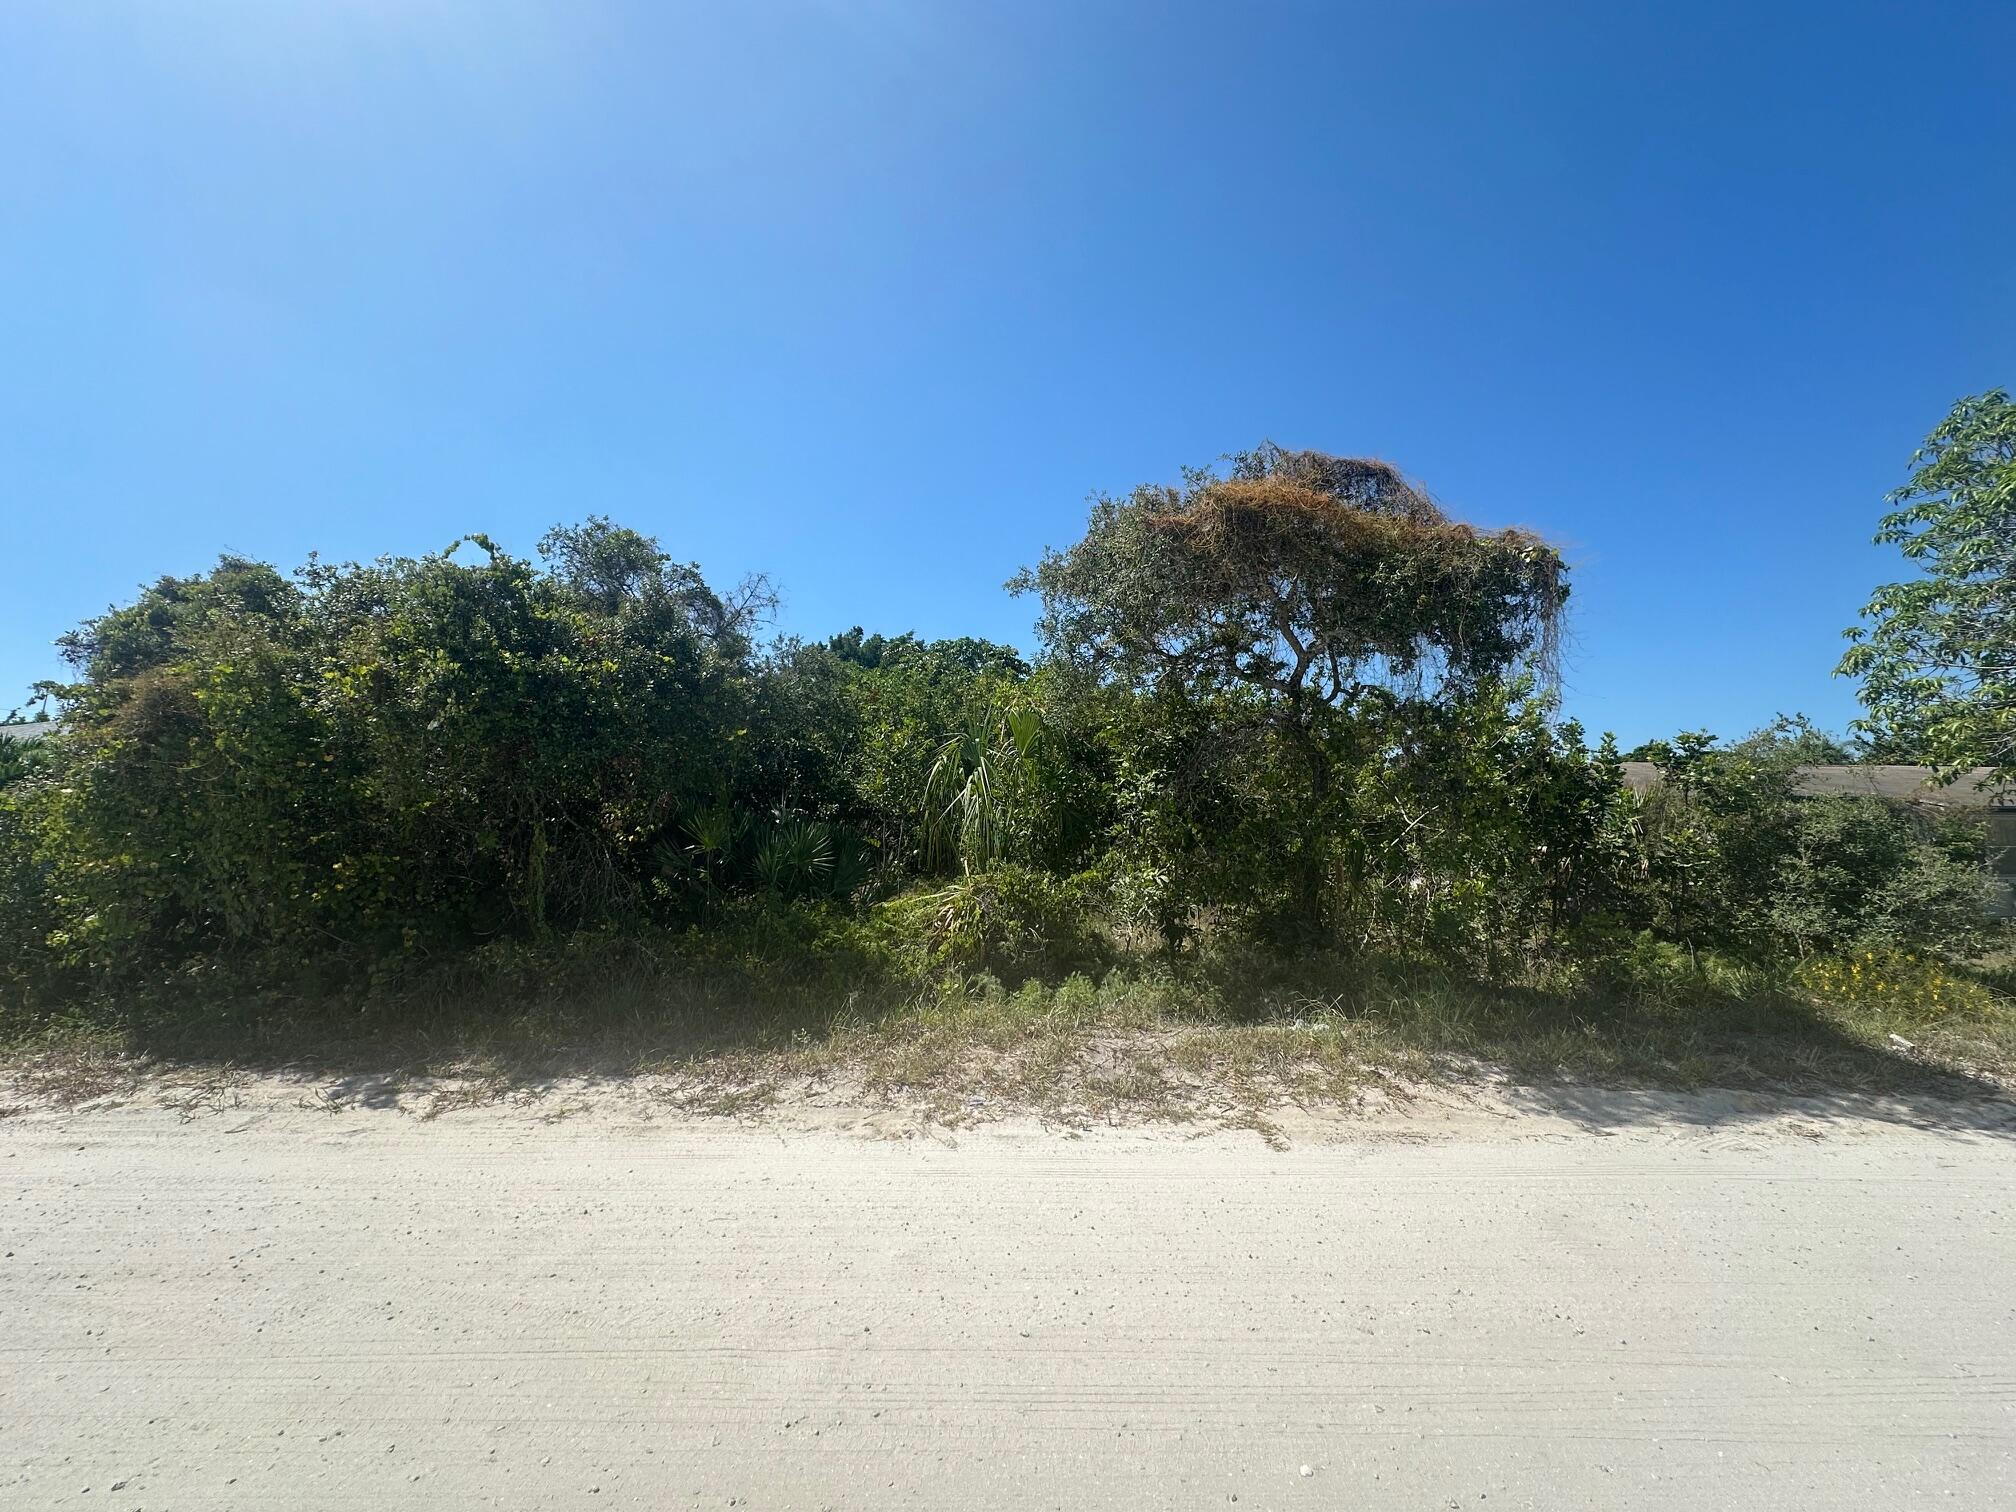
column 292, row 1295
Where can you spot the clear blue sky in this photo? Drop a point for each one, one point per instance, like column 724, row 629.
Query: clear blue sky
column 870, row 295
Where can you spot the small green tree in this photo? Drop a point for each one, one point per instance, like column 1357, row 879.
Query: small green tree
column 1937, row 659
column 1493, row 833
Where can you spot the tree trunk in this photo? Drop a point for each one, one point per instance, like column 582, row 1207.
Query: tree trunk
column 1311, row 871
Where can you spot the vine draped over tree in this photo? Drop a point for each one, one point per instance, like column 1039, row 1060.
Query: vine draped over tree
column 1307, row 577
column 1310, row 583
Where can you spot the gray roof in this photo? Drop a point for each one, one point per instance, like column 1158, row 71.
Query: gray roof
column 1901, row 784
column 34, row 729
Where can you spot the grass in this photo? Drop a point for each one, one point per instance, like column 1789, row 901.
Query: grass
column 1222, row 1039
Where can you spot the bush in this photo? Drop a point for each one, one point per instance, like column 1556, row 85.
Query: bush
column 1735, row 856
column 411, row 753
column 29, row 911
column 1009, row 921
column 1860, row 873
column 1648, row 970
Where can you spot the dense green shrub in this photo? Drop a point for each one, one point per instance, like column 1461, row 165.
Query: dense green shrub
column 1009, row 921
column 1734, row 855
column 407, row 753
column 30, row 916
column 1863, row 874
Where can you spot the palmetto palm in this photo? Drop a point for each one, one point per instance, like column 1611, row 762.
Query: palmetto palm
column 972, row 772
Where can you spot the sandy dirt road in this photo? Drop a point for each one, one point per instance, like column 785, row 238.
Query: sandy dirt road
column 1568, row 1306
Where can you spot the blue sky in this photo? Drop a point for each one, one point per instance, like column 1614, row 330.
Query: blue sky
column 870, row 296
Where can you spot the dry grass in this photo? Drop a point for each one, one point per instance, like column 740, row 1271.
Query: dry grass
column 1229, row 1046
column 76, row 1069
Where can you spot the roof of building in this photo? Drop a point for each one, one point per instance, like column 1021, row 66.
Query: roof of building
column 33, row 729
column 1901, row 784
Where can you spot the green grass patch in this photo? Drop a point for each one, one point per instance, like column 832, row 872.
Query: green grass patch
column 770, row 1003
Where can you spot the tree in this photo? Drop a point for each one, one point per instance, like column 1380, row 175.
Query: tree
column 1303, row 585
column 1796, row 739
column 618, row 571
column 1937, row 658
column 151, row 632
column 970, row 654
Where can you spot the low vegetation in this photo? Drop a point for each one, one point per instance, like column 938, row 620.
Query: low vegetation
column 1283, row 807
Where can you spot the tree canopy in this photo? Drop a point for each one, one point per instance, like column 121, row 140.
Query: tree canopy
column 1937, row 656
column 1305, row 577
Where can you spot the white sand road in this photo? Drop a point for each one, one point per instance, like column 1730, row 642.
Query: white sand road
column 1554, row 1301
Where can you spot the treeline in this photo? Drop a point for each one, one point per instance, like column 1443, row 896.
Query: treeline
column 1286, row 701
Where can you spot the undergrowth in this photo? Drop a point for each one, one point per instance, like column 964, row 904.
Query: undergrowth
column 768, row 999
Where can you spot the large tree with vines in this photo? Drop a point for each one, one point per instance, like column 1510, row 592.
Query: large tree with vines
column 1307, row 591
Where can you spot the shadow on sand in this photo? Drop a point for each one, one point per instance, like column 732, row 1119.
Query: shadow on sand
column 1610, row 1110
column 1601, row 1065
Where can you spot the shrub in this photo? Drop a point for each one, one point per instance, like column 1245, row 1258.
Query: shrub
column 1647, row 969
column 1734, row 855
column 1010, row 921
column 1863, row 873
column 29, row 913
